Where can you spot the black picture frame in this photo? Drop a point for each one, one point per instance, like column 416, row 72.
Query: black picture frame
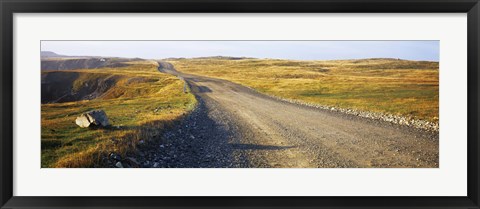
column 9, row 7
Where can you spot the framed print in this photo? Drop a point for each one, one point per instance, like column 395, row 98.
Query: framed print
column 237, row 104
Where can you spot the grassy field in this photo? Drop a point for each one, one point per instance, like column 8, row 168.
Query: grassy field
column 390, row 86
column 139, row 105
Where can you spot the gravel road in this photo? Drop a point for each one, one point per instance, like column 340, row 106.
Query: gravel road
column 234, row 126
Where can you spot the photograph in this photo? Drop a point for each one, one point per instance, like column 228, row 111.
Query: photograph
column 239, row 103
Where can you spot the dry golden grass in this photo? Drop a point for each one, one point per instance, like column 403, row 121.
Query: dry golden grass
column 391, row 86
column 142, row 103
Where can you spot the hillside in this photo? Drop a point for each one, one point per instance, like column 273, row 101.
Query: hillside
column 139, row 101
column 49, row 54
column 84, row 63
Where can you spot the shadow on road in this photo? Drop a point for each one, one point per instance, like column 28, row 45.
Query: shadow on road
column 202, row 89
column 258, row 147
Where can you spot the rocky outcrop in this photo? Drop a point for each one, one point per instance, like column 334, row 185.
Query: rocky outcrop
column 94, row 118
column 83, row 63
column 59, row 86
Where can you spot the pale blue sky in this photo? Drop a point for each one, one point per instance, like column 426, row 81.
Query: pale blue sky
column 299, row 50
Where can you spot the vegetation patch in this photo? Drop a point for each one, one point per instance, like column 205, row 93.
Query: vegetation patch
column 389, row 86
column 140, row 103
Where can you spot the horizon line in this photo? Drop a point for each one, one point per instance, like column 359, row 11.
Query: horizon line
column 227, row 56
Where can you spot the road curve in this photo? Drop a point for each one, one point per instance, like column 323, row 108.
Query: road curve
column 234, row 126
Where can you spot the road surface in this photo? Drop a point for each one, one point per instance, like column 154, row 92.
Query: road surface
column 234, row 126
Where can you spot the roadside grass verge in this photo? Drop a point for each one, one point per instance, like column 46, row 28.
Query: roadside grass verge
column 140, row 104
column 399, row 87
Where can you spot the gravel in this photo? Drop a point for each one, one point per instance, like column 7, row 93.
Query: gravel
column 199, row 141
column 236, row 127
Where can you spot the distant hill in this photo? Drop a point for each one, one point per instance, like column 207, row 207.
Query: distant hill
column 223, row 58
column 211, row 57
column 49, row 54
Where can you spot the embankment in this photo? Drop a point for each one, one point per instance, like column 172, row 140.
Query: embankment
column 83, row 63
column 139, row 101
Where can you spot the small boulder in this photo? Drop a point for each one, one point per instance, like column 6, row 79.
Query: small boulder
column 116, row 157
column 94, row 118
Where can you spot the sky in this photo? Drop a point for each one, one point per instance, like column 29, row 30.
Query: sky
column 296, row 50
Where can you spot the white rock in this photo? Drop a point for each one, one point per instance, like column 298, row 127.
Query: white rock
column 119, row 165
column 92, row 118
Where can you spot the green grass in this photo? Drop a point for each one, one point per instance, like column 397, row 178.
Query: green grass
column 141, row 104
column 389, row 86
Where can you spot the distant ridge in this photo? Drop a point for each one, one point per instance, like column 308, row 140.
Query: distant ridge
column 211, row 57
column 49, row 54
column 224, row 57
